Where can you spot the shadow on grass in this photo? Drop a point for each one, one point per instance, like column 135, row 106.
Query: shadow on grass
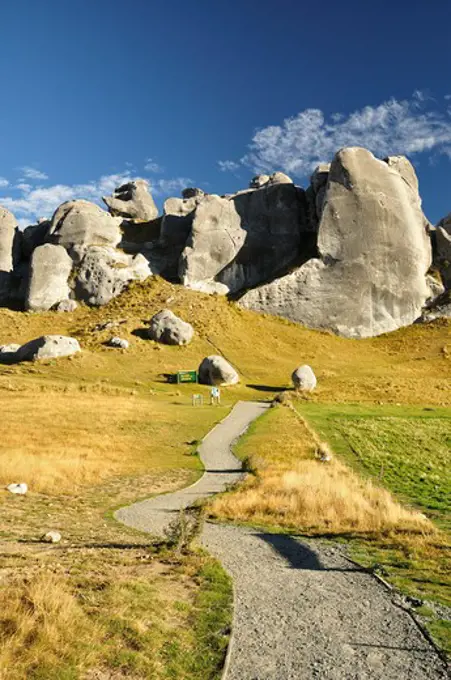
column 299, row 555
column 267, row 388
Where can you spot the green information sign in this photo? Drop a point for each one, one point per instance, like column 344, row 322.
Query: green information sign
column 186, row 377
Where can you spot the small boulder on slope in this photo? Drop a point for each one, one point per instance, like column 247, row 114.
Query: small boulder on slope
column 169, row 329
column 215, row 370
column 304, row 379
column 48, row 347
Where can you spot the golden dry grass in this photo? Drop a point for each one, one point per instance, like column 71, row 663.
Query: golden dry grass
column 293, row 488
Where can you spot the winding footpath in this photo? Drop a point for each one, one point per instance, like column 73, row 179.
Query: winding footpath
column 301, row 611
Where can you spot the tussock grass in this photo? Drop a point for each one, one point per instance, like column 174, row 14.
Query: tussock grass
column 293, row 488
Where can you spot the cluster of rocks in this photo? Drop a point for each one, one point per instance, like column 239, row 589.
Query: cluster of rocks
column 351, row 253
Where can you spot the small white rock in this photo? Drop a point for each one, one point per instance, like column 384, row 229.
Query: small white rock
column 120, row 343
column 20, row 489
column 51, row 537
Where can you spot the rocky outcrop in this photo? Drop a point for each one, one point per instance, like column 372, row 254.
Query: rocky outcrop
column 239, row 241
column 374, row 254
column 7, row 234
column 103, row 273
column 215, row 370
column 169, row 329
column 48, row 347
column 50, row 268
column 442, row 255
column 84, row 224
column 304, row 379
column 133, row 201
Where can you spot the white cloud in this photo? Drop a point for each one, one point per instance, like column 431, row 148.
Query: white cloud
column 152, row 166
column 43, row 201
column 228, row 166
column 3, row 182
column 394, row 127
column 32, row 173
column 166, row 187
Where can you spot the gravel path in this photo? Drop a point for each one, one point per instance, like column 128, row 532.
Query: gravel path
column 302, row 611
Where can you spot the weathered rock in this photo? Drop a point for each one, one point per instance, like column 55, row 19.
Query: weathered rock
column 132, row 200
column 48, row 347
column 50, row 268
column 104, row 273
column 436, row 288
column 7, row 233
column 192, row 192
column 119, row 343
column 169, row 329
column 279, row 178
column 374, row 255
column 8, row 353
column 177, row 220
column 33, row 236
column 19, row 489
column 215, row 370
column 442, row 255
column 215, row 240
column 258, row 181
column 304, row 379
column 244, row 240
column 81, row 223
column 66, row 306
column 51, row 537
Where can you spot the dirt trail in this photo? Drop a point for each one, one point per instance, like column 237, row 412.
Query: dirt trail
column 302, row 611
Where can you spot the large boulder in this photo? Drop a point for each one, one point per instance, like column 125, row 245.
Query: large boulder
column 83, row 224
column 304, row 379
column 248, row 238
column 169, row 329
column 50, row 268
column 33, row 236
column 48, row 347
column 133, row 201
column 215, row 370
column 374, row 252
column 7, row 233
column 103, row 273
column 177, row 220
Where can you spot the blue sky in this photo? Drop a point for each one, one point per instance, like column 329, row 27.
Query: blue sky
column 208, row 93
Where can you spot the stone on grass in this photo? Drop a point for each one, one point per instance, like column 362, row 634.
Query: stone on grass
column 119, row 343
column 19, row 489
column 48, row 347
column 215, row 370
column 51, row 537
column 304, row 379
column 8, row 353
column 169, row 329
column 66, row 306
column 50, row 268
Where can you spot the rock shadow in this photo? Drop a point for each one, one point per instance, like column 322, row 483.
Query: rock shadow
column 268, row 388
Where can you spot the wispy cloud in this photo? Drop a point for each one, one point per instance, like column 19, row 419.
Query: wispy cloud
column 228, row 166
column 33, row 173
column 152, row 166
column 393, row 127
column 166, row 187
column 29, row 202
column 3, row 182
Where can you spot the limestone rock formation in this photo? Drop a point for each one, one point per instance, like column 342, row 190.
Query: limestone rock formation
column 132, row 200
column 246, row 239
column 34, row 236
column 304, row 379
column 48, row 347
column 50, row 268
column 83, row 224
column 374, row 251
column 103, row 273
column 7, row 233
column 215, row 370
column 118, row 343
column 169, row 329
column 443, row 249
column 66, row 306
column 192, row 192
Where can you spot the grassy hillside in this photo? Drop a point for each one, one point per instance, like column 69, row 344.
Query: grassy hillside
column 103, row 428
